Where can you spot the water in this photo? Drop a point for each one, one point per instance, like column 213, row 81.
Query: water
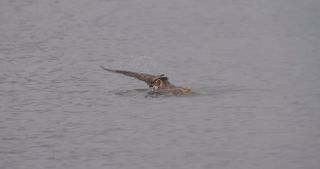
column 254, row 67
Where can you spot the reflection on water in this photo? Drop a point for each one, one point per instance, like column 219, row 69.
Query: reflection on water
column 134, row 92
column 196, row 92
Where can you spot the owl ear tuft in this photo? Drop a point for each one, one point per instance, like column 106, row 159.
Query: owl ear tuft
column 164, row 78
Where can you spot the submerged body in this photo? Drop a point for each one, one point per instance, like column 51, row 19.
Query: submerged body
column 163, row 86
column 158, row 83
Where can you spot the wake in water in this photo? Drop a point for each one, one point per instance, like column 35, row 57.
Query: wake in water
column 197, row 92
column 147, row 93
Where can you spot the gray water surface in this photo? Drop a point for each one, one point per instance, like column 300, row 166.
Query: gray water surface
column 254, row 66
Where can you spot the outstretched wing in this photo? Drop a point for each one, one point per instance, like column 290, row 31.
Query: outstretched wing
column 148, row 78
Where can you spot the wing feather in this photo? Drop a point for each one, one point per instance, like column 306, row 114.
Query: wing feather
column 148, row 78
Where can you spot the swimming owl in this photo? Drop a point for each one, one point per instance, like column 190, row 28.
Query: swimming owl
column 158, row 83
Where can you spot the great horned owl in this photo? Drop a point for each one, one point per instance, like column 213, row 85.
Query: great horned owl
column 158, row 83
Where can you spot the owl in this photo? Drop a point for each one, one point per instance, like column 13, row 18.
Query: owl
column 158, row 83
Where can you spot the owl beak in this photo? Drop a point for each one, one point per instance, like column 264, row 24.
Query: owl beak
column 154, row 88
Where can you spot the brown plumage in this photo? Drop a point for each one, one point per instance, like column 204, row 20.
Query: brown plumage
column 159, row 83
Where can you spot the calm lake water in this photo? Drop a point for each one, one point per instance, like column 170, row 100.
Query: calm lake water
column 254, row 67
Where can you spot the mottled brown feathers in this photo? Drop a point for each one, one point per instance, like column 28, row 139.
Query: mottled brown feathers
column 159, row 83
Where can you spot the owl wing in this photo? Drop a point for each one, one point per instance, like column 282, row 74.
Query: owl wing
column 148, row 78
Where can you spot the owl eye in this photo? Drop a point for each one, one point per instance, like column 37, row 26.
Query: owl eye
column 157, row 82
